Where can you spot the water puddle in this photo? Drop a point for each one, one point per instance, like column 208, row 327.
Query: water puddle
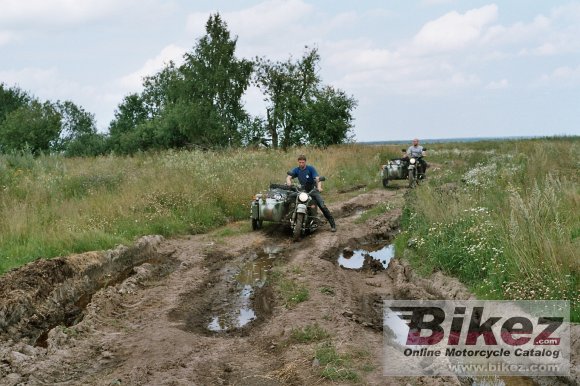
column 249, row 295
column 374, row 256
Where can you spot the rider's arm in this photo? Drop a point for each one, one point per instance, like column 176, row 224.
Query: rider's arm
column 318, row 184
column 288, row 180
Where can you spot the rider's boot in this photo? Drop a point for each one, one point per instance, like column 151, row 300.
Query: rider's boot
column 329, row 217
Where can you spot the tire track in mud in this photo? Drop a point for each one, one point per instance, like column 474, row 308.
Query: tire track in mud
column 147, row 318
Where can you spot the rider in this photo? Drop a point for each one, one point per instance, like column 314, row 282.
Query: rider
column 308, row 177
column 416, row 151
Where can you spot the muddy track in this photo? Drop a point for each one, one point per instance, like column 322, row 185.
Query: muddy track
column 207, row 310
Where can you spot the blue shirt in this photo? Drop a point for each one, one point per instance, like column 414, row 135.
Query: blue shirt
column 305, row 176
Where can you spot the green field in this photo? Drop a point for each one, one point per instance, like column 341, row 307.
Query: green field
column 502, row 216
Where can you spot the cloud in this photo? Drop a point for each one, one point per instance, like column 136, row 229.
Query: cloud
column 6, row 37
column 497, row 84
column 564, row 76
column 436, row 2
column 277, row 28
column 454, row 31
column 133, row 82
column 54, row 12
column 274, row 16
column 518, row 32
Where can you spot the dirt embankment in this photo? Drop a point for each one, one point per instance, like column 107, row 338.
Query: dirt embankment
column 209, row 309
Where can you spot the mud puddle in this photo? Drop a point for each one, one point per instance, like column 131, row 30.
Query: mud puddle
column 234, row 298
column 239, row 310
column 374, row 256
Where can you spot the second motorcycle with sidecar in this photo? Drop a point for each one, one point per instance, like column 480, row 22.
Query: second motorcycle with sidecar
column 408, row 168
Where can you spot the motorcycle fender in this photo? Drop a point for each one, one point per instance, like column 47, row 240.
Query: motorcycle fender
column 301, row 208
column 255, row 211
column 411, row 167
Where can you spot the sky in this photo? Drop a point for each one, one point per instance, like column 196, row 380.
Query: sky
column 424, row 68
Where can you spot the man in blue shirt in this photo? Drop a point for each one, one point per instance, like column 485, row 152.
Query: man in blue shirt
column 308, row 177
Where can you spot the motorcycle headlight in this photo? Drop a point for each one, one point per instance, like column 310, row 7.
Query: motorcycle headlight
column 412, row 161
column 303, row 197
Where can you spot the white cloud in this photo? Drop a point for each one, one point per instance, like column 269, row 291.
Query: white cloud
column 436, row 2
column 55, row 12
column 497, row 84
column 277, row 28
column 518, row 32
column 134, row 81
column 453, row 30
column 564, row 76
column 269, row 17
column 6, row 37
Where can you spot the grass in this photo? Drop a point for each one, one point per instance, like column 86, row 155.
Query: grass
column 327, row 290
column 292, row 292
column 54, row 206
column 309, row 333
column 499, row 215
column 289, row 291
column 502, row 217
column 336, row 366
column 374, row 212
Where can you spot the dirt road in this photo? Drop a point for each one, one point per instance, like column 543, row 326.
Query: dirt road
column 222, row 308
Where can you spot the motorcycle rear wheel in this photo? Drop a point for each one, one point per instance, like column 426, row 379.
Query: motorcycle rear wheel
column 298, row 226
column 385, row 182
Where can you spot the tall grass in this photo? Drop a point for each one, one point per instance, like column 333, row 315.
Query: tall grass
column 52, row 206
column 503, row 218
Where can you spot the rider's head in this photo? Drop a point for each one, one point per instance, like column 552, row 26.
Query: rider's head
column 301, row 161
column 415, row 141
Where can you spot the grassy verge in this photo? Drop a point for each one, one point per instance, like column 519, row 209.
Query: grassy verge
column 502, row 217
column 338, row 366
column 53, row 206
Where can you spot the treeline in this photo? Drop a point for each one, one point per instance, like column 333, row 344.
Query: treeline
column 194, row 105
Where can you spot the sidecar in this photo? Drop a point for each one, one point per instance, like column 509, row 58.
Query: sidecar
column 273, row 205
column 395, row 169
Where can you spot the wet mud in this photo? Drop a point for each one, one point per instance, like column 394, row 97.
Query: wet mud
column 235, row 297
column 204, row 310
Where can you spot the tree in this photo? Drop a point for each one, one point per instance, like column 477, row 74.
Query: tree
column 11, row 99
column 287, row 87
column 131, row 113
column 215, row 81
column 35, row 126
column 79, row 135
column 195, row 104
column 327, row 118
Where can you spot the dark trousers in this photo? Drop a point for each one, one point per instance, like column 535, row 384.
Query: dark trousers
column 320, row 202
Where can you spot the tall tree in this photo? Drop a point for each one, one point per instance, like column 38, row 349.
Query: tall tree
column 11, row 99
column 215, row 81
column 196, row 104
column 287, row 87
column 78, row 135
column 35, row 126
column 327, row 117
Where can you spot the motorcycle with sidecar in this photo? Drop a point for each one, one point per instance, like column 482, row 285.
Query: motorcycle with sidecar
column 292, row 206
column 406, row 168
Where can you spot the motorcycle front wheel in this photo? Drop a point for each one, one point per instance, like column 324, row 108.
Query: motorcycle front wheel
column 298, row 226
column 411, row 179
column 385, row 182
